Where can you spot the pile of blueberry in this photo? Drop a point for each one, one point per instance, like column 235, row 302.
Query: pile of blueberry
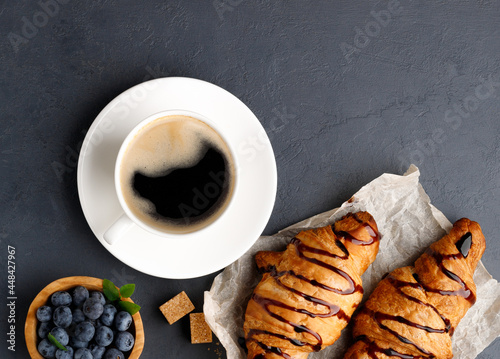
column 85, row 324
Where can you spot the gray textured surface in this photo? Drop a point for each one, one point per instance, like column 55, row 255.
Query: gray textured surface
column 423, row 88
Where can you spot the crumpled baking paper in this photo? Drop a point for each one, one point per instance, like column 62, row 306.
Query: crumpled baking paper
column 408, row 223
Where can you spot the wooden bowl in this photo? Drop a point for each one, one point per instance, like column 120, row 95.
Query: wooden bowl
column 30, row 327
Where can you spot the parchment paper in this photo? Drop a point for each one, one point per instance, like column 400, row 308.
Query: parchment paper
column 408, row 223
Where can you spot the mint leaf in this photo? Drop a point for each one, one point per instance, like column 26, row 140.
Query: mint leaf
column 130, row 307
column 109, row 290
column 54, row 341
column 127, row 290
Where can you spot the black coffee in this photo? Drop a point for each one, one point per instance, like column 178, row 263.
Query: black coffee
column 177, row 174
column 186, row 195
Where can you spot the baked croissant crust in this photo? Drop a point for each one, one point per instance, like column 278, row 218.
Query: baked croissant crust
column 308, row 292
column 413, row 311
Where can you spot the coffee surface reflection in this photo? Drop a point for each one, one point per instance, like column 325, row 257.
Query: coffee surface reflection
column 177, row 174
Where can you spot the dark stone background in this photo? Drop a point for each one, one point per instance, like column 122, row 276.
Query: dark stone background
column 342, row 97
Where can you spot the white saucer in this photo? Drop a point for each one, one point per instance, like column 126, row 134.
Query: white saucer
column 223, row 242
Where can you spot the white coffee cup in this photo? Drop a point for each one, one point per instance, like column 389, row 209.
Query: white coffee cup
column 128, row 219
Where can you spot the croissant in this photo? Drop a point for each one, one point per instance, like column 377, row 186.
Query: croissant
column 308, row 292
column 413, row 311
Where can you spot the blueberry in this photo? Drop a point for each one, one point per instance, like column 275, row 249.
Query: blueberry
column 99, row 323
column 62, row 317
column 98, row 295
column 84, row 331
column 61, row 335
column 47, row 349
column 44, row 329
column 123, row 320
column 108, row 314
column 104, row 336
column 60, row 299
column 93, row 322
column 113, row 354
column 71, row 329
column 83, row 353
column 80, row 295
column 65, row 354
column 124, row 341
column 93, row 308
column 44, row 314
column 97, row 351
column 78, row 316
column 77, row 344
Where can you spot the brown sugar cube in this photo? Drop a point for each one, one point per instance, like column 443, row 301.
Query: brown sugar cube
column 177, row 307
column 200, row 331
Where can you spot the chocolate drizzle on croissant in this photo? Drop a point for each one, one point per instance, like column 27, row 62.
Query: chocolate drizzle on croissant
column 295, row 309
column 400, row 317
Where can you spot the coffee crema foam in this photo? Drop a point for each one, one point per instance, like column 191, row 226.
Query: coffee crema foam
column 177, row 174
